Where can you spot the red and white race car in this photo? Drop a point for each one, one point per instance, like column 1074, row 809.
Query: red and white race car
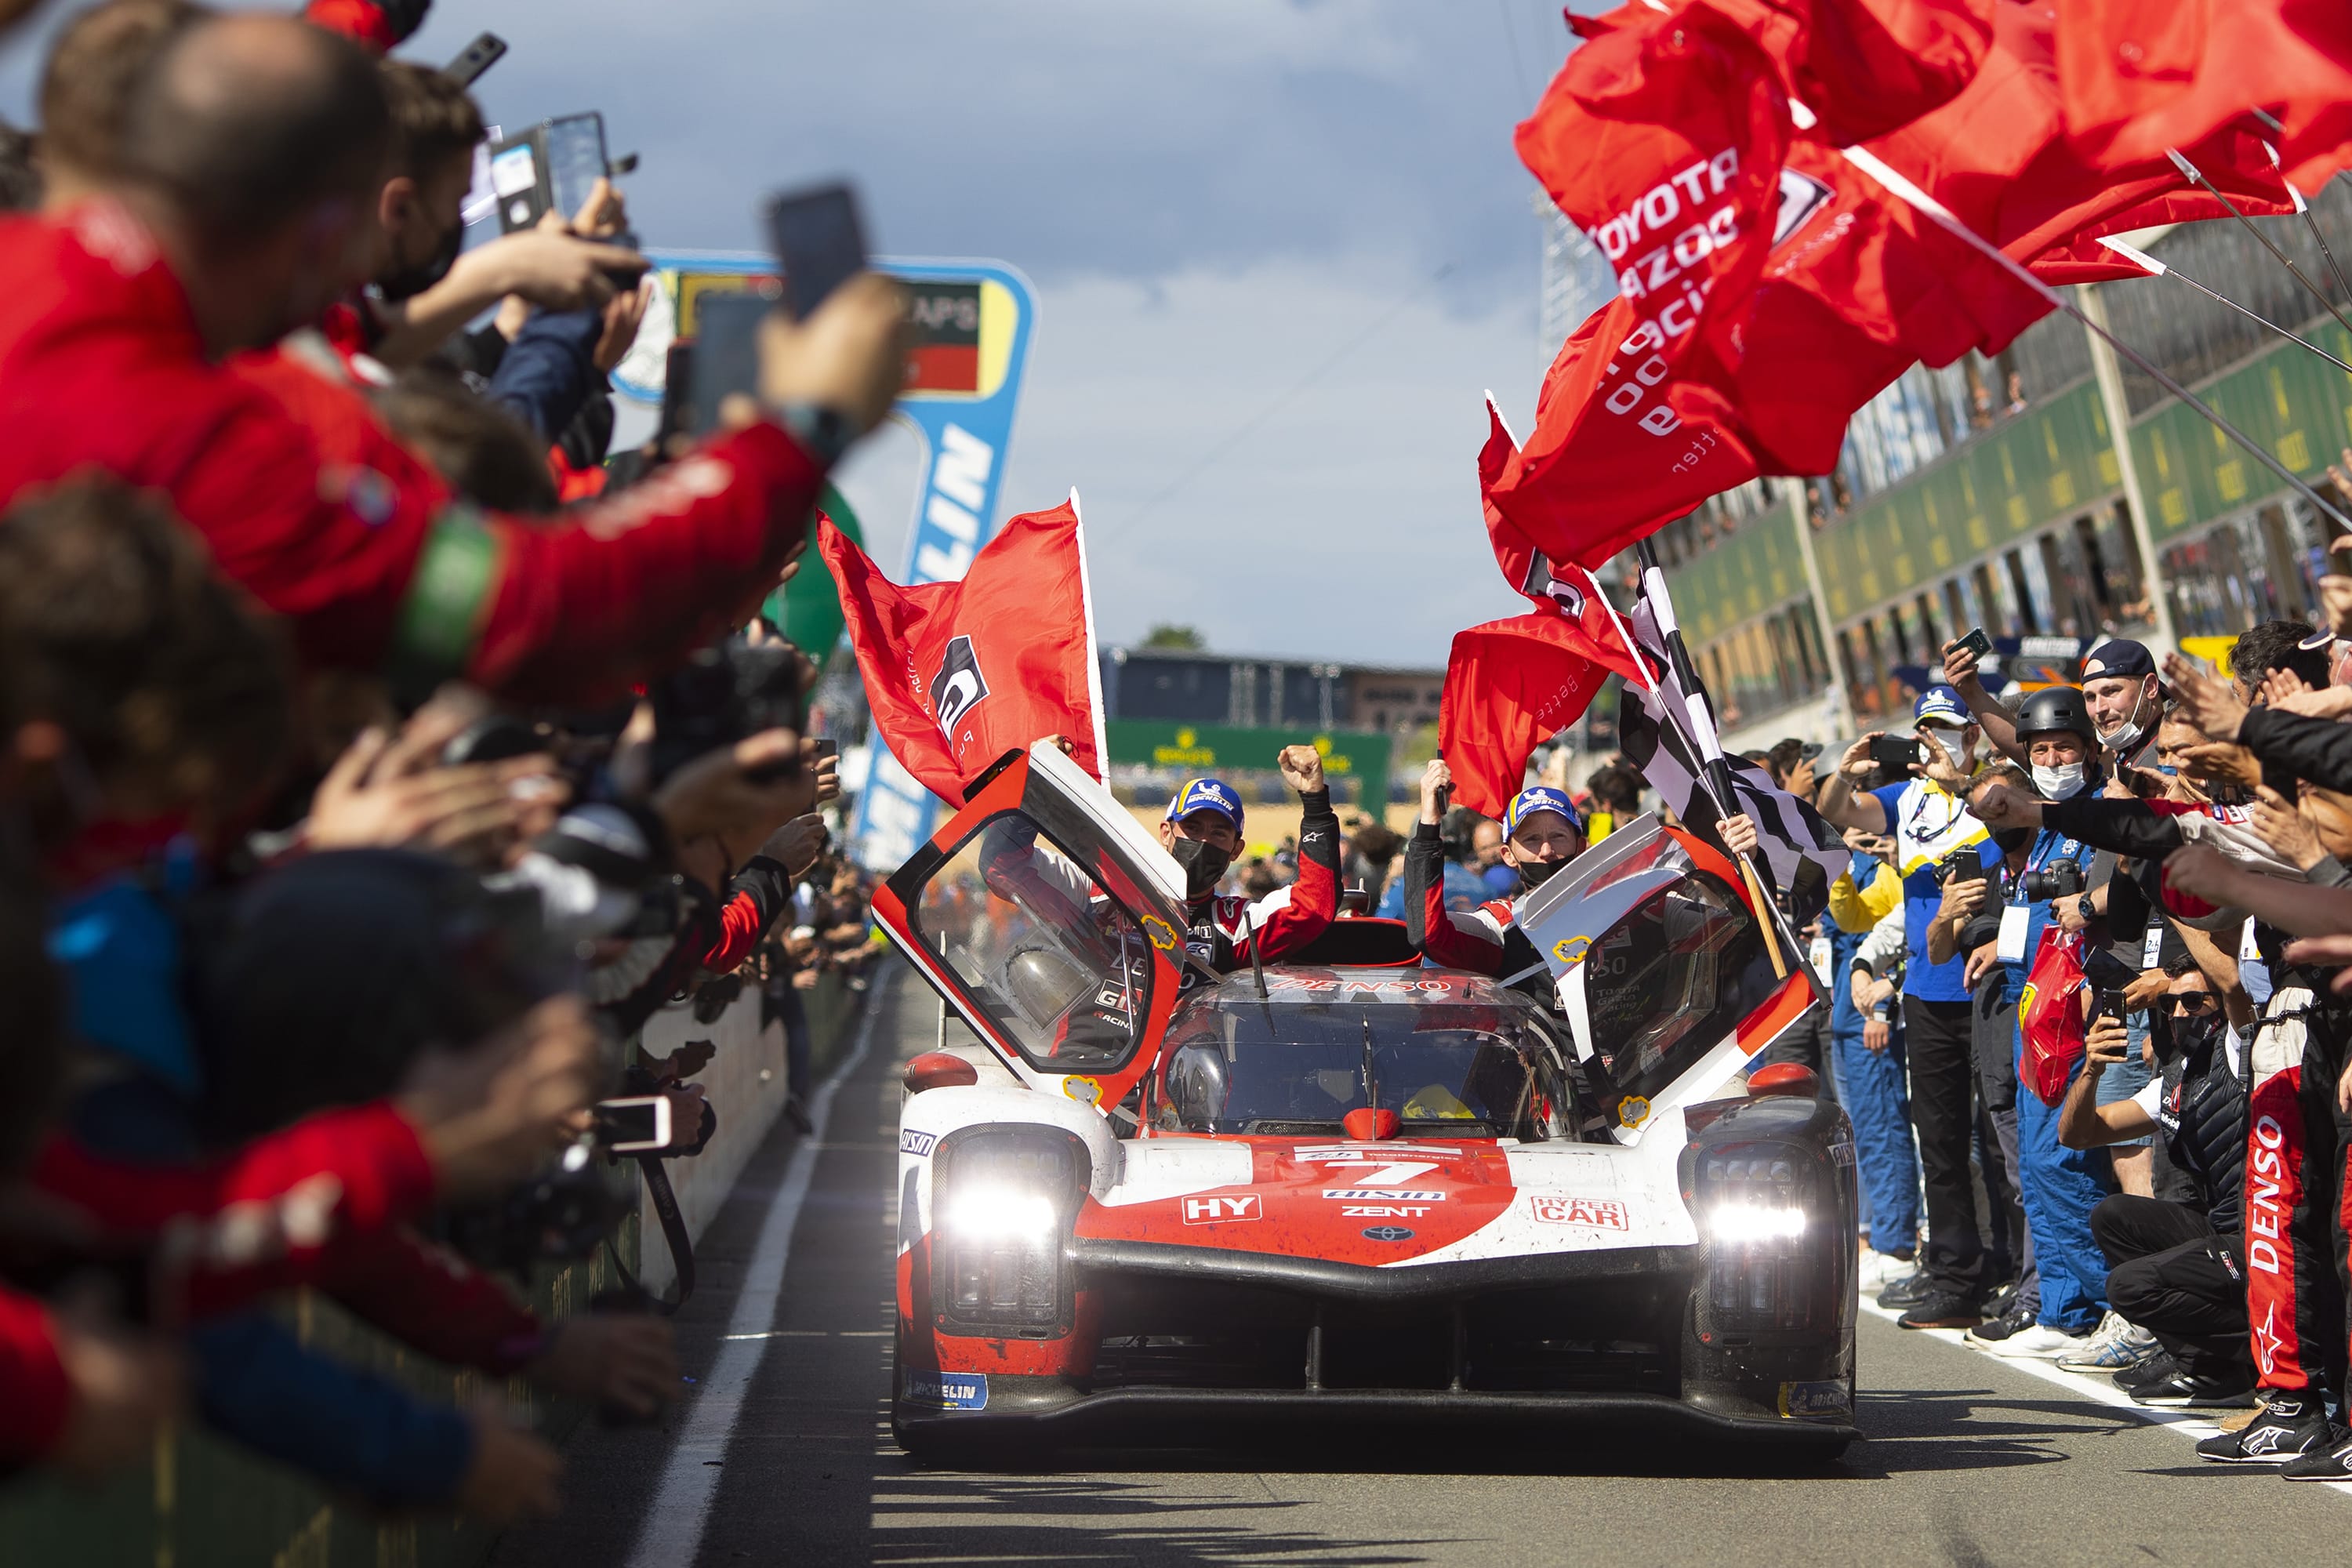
column 1157, row 1197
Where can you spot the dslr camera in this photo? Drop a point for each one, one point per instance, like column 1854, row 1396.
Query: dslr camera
column 2063, row 879
column 1964, row 864
column 724, row 693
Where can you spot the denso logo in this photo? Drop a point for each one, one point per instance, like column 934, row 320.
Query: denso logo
column 1222, row 1211
column 2265, row 1217
column 1600, row 1213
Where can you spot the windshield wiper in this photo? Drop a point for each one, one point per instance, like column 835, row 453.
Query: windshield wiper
column 1372, row 1084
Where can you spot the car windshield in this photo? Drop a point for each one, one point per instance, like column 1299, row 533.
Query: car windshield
column 1448, row 1068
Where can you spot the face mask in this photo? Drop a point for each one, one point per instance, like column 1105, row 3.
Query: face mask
column 2012, row 839
column 1533, row 874
column 2126, row 736
column 1203, row 865
column 1963, row 757
column 2061, row 784
column 412, row 281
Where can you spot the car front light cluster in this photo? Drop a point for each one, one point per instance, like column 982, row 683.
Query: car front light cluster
column 1005, row 1202
column 1755, row 1205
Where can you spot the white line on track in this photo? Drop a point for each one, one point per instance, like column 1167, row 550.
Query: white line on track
column 2090, row 1385
column 672, row 1534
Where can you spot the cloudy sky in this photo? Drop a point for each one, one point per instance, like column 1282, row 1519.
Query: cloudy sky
column 1287, row 234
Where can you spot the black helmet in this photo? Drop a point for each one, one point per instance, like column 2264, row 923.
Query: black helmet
column 2056, row 708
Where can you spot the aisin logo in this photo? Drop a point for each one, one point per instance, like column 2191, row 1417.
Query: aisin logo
column 958, row 687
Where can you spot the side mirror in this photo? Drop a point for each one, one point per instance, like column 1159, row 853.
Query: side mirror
column 939, row 1069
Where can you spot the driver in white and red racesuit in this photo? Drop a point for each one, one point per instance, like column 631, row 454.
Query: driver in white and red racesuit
column 1203, row 831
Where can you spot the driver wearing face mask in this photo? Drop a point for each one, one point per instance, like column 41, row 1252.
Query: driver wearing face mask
column 1542, row 832
column 1203, row 831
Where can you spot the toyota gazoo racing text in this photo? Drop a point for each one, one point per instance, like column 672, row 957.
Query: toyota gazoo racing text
column 1354, row 1185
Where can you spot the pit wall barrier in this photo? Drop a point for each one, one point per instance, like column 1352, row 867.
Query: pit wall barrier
column 202, row 1503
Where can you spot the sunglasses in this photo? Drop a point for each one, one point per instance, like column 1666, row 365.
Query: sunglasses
column 2191, row 1001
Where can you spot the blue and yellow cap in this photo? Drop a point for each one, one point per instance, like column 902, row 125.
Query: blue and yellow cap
column 1206, row 794
column 1527, row 802
column 1941, row 705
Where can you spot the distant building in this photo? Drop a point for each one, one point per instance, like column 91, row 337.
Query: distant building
column 1254, row 693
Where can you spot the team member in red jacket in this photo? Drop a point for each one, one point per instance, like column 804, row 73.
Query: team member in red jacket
column 250, row 155
column 1541, row 833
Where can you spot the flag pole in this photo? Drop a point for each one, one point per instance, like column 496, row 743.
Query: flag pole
column 1094, row 656
column 2302, row 207
column 2156, row 269
column 1877, row 169
column 1715, row 771
column 2198, row 175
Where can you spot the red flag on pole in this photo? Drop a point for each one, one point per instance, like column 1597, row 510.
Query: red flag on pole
column 959, row 673
column 1511, row 685
column 1999, row 156
column 1662, row 138
column 2142, row 76
column 1861, row 66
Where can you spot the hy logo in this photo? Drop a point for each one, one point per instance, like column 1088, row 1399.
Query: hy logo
column 958, row 687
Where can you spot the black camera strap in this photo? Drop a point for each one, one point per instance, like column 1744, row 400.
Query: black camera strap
column 673, row 1228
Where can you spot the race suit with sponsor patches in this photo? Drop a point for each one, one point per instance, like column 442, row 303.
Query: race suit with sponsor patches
column 2294, row 1186
column 1484, row 940
column 1219, row 927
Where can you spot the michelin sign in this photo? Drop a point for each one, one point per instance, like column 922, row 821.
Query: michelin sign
column 973, row 321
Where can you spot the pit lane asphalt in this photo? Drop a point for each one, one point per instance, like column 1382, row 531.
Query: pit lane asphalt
column 1967, row 1460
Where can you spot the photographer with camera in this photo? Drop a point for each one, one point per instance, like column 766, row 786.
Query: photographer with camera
column 2058, row 1186
column 1928, row 822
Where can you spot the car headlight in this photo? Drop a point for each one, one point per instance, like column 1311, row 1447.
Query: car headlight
column 1760, row 1250
column 999, row 1215
column 1005, row 1201
column 1752, row 1198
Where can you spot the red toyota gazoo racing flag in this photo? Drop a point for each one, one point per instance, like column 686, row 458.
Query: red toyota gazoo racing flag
column 1662, row 137
column 959, row 673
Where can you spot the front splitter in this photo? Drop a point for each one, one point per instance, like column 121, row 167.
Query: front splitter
column 1149, row 1414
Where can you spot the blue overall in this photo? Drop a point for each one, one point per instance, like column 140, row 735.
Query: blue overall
column 1871, row 1087
column 2058, row 1185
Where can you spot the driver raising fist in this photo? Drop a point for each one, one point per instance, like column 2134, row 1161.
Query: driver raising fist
column 1202, row 831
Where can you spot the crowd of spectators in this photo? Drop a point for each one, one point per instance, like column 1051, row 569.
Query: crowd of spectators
column 2119, row 1150
column 373, row 763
